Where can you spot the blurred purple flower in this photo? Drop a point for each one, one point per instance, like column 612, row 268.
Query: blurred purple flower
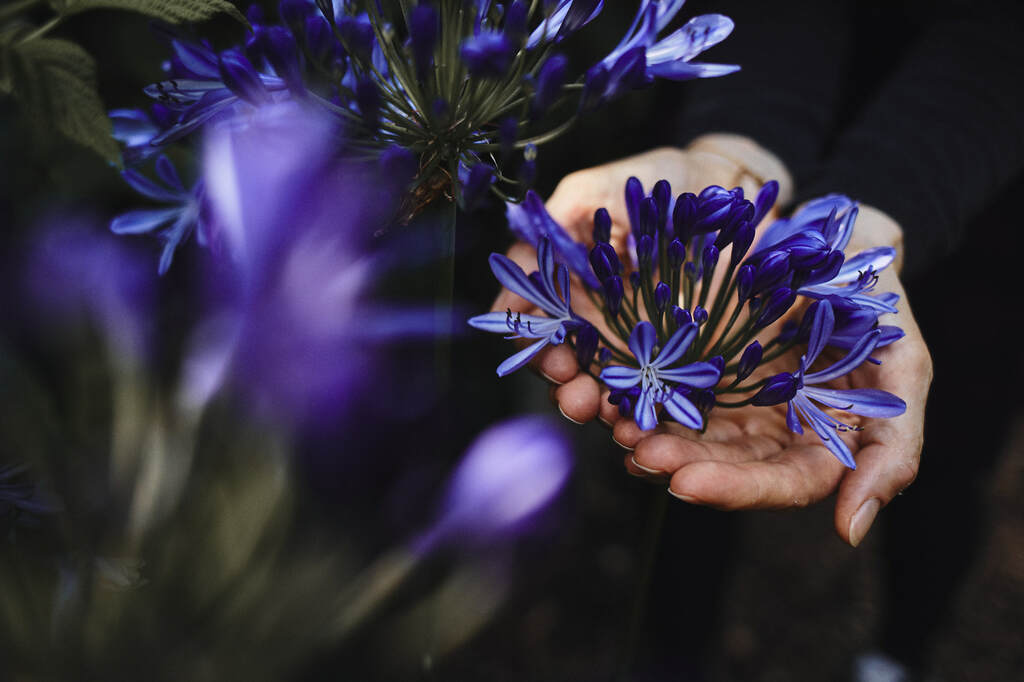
column 297, row 328
column 509, row 474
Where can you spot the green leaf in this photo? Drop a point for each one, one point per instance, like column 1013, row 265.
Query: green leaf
column 173, row 11
column 55, row 82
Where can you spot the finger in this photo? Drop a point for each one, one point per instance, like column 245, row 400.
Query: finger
column 557, row 364
column 885, row 467
column 670, row 451
column 799, row 476
column 579, row 399
column 636, row 470
column 609, row 414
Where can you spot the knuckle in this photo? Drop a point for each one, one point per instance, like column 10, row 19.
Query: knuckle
column 905, row 473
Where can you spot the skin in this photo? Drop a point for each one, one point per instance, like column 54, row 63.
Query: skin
column 747, row 458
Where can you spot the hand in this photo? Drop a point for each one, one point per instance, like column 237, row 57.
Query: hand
column 748, row 459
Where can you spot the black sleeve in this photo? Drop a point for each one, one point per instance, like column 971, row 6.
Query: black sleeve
column 943, row 134
column 794, row 57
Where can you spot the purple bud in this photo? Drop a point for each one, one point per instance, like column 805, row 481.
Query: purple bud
column 807, row 250
column 788, row 331
column 626, row 407
column 827, row 271
column 709, row 259
column 745, row 282
column 634, row 279
column 773, row 270
column 662, row 195
column 357, row 34
column 703, row 400
column 602, row 226
column 549, row 84
column 487, row 55
column 682, row 316
column 718, row 362
column 648, row 218
column 662, row 295
column 476, row 185
column 613, row 293
column 700, row 316
column 586, row 345
column 516, row 16
column 780, row 300
column 749, row 361
column 739, row 214
column 604, row 261
column 634, row 195
column 780, row 389
column 645, row 252
column 278, row 46
column 684, row 215
column 741, row 243
column 690, row 272
column 764, row 201
column 368, row 100
column 676, row 254
column 423, row 30
column 241, row 78
column 604, row 356
column 594, row 85
column 319, row 39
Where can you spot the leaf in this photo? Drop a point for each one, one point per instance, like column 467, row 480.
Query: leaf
column 173, row 11
column 55, row 82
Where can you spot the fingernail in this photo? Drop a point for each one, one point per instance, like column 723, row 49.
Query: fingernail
column 549, row 379
column 624, row 447
column 861, row 522
column 685, row 498
column 641, row 467
column 568, row 417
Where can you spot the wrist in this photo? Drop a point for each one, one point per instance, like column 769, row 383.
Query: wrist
column 753, row 163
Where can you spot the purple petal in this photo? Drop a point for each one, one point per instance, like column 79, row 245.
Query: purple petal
column 619, row 376
column 676, row 346
column 821, row 329
column 683, row 411
column 877, row 259
column 642, row 341
column 823, row 425
column 521, row 358
column 688, row 41
column 852, row 361
column 697, row 375
column 645, row 415
column 867, row 402
column 515, row 280
column 138, row 222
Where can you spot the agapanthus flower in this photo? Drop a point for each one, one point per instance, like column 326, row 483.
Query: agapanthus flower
column 692, row 311
column 802, row 389
column 469, row 89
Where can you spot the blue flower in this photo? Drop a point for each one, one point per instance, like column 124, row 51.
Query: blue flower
column 640, row 57
column 548, row 289
column 182, row 215
column 488, row 54
column 801, row 390
column 658, row 379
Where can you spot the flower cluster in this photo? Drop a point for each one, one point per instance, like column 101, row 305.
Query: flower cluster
column 451, row 95
column 704, row 301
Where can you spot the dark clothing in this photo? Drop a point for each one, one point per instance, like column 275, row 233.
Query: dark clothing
column 912, row 108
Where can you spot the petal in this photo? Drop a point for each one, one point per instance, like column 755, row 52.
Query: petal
column 495, row 322
column 823, row 426
column 683, row 411
column 867, row 402
column 680, row 70
column 857, row 355
column 619, row 376
column 676, row 346
column 521, row 358
column 138, row 222
column 695, row 36
column 642, row 341
column 645, row 415
column 792, row 421
column 878, row 259
column 821, row 329
column 512, row 277
column 697, row 375
column 149, row 189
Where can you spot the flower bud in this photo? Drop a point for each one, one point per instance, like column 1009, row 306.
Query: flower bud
column 604, row 261
column 709, row 259
column 741, row 243
column 683, row 216
column 423, row 32
column 586, row 345
column 602, row 226
column 682, row 316
column 700, row 316
column 662, row 295
column 549, row 84
column 745, row 282
column 648, row 214
column 778, row 302
column 645, row 252
column 780, row 389
column 676, row 254
column 613, row 293
column 241, row 78
column 749, row 361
